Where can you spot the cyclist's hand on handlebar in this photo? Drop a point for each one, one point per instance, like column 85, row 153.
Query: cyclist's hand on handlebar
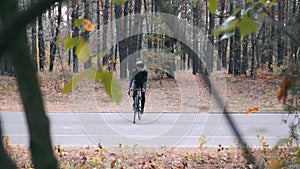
column 144, row 90
column 128, row 92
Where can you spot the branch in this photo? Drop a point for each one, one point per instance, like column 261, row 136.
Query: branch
column 14, row 42
column 11, row 30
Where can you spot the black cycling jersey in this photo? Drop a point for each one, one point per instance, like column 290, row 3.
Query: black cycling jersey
column 139, row 78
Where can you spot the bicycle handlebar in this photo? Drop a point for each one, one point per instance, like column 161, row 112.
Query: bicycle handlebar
column 135, row 89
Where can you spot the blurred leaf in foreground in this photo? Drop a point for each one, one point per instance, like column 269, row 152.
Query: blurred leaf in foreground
column 111, row 85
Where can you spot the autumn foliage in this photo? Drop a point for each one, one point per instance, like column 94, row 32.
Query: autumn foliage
column 252, row 110
column 285, row 85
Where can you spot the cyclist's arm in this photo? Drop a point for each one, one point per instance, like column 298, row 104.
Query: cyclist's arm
column 131, row 78
column 145, row 80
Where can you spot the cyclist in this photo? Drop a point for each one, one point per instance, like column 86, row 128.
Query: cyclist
column 139, row 75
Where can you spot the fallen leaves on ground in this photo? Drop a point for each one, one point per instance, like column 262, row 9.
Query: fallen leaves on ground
column 252, row 110
column 125, row 157
column 137, row 157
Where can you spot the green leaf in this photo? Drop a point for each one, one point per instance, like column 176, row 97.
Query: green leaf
column 90, row 74
column 111, row 86
column 61, row 40
column 247, row 25
column 71, row 43
column 83, row 50
column 102, row 54
column 73, row 83
column 271, row 3
column 119, row 2
column 236, row 11
column 262, row 1
column 213, row 6
column 78, row 22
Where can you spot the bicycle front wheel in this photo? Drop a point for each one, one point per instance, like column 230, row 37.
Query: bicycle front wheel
column 134, row 114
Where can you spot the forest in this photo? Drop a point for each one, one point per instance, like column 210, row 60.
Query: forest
column 204, row 36
column 265, row 40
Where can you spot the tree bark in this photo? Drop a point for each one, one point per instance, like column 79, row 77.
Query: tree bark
column 195, row 56
column 55, row 37
column 125, row 42
column 33, row 41
column 87, row 64
column 223, row 43
column 120, row 40
column 105, row 22
column 38, row 124
column 231, row 40
column 244, row 67
column 98, row 32
column 237, row 46
column 210, row 54
column 280, row 43
column 135, row 36
column 75, row 34
column 41, row 43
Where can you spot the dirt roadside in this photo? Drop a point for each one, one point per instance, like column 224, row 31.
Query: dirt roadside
column 242, row 93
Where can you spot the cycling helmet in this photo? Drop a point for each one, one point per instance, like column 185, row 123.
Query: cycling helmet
column 139, row 64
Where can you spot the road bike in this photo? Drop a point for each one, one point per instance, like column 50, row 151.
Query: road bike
column 137, row 108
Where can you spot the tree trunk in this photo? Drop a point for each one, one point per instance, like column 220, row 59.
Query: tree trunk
column 98, row 33
column 223, row 43
column 69, row 30
column 120, row 39
column 75, row 34
column 33, row 41
column 6, row 66
column 270, row 46
column 231, row 47
column 135, row 37
column 280, row 43
column 237, row 46
column 55, row 37
column 252, row 55
column 245, row 57
column 87, row 64
column 149, row 42
column 125, row 41
column 38, row 124
column 182, row 45
column 210, row 53
column 195, row 57
column 105, row 22
column 41, row 43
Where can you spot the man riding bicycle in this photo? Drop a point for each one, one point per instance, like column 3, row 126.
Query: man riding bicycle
column 139, row 75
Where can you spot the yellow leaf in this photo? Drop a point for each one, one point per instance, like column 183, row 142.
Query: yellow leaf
column 7, row 140
column 252, row 110
column 275, row 164
column 88, row 25
column 261, row 138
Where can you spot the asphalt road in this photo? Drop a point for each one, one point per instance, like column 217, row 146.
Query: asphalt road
column 154, row 129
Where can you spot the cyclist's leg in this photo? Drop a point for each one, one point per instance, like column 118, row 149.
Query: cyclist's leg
column 134, row 94
column 143, row 101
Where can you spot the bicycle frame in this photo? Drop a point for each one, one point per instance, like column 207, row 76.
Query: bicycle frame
column 137, row 104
